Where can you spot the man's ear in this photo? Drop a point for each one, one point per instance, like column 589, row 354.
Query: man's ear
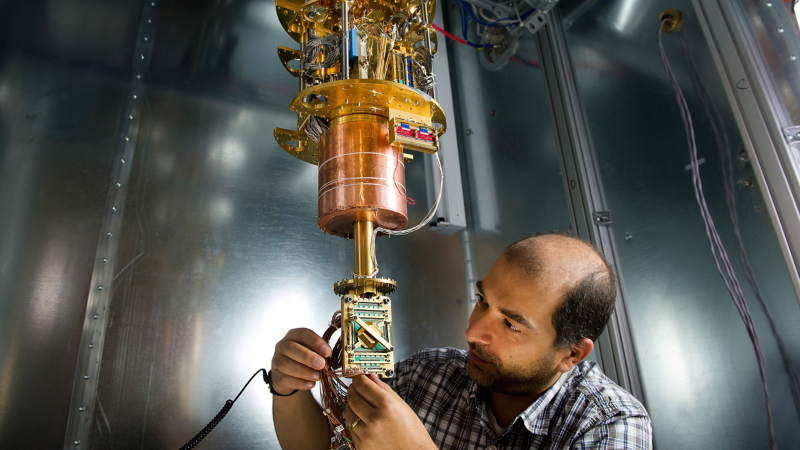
column 577, row 353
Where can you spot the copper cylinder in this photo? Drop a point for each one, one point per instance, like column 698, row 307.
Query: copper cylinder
column 360, row 176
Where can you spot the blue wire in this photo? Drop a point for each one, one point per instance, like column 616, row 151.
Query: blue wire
column 471, row 13
column 464, row 24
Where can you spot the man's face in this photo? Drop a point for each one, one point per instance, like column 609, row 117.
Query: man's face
column 511, row 336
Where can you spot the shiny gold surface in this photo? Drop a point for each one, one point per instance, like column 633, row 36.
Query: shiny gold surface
column 361, row 177
column 357, row 118
column 362, row 241
column 341, row 98
column 674, row 20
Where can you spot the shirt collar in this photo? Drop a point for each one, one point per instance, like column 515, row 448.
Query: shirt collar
column 537, row 416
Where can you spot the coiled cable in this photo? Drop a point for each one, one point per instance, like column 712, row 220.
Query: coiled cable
column 329, row 44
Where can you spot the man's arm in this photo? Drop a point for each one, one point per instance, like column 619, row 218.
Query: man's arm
column 299, row 422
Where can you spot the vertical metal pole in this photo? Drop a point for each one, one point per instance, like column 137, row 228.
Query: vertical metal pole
column 428, row 40
column 362, row 252
column 87, row 371
column 345, row 41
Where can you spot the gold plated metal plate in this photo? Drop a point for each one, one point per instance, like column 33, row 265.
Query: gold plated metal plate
column 288, row 55
column 341, row 98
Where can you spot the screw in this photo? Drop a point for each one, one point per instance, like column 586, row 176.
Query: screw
column 748, row 184
column 122, row 161
column 82, row 409
column 109, row 234
column 91, row 345
column 77, row 441
column 780, row 30
column 628, row 236
column 96, row 316
column 348, row 299
column 757, row 208
column 86, row 377
column 114, row 208
column 386, row 300
column 119, row 184
column 105, row 260
column 743, row 159
column 469, row 131
column 130, row 116
column 99, row 288
column 127, row 138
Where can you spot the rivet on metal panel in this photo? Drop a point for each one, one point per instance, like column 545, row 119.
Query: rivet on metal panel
column 82, row 408
column 96, row 316
column 99, row 288
column 86, row 377
column 91, row 345
column 105, row 260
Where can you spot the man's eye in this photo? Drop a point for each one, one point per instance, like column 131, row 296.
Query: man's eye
column 480, row 299
column 511, row 326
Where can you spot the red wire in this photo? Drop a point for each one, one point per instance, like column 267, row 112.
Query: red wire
column 455, row 38
column 409, row 200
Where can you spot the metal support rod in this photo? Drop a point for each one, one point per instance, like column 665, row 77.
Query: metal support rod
column 428, row 40
column 362, row 239
column 345, row 41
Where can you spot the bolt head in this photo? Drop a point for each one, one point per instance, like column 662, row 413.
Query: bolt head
column 348, row 299
column 91, row 345
column 86, row 377
column 109, row 234
column 105, row 260
column 99, row 288
column 114, row 208
column 122, row 161
column 119, row 184
column 386, row 300
column 96, row 316
column 82, row 409
column 76, row 441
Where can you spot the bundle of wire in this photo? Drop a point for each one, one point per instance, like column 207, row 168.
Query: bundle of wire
column 315, row 127
column 333, row 391
column 717, row 249
column 423, row 65
column 467, row 13
column 330, row 45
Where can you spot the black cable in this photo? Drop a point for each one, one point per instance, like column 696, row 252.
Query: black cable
column 220, row 415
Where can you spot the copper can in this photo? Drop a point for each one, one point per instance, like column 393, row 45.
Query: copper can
column 361, row 176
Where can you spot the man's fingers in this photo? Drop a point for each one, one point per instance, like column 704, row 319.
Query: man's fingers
column 303, row 355
column 368, row 389
column 290, row 367
column 282, row 382
column 380, row 383
column 358, row 405
column 310, row 340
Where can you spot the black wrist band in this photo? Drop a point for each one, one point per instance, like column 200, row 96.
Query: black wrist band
column 268, row 380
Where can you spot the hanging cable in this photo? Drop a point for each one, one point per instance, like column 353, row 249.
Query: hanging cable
column 423, row 223
column 717, row 249
column 728, row 164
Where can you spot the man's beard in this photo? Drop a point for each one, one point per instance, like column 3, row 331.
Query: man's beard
column 528, row 380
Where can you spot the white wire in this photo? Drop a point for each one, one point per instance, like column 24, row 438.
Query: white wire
column 422, row 223
column 731, row 282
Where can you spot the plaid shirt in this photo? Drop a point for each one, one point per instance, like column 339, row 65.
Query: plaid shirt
column 582, row 410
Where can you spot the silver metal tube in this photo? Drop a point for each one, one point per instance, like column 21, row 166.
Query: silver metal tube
column 345, row 41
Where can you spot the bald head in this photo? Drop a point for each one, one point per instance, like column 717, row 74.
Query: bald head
column 578, row 273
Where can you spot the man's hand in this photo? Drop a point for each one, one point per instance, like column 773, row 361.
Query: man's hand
column 297, row 361
column 387, row 423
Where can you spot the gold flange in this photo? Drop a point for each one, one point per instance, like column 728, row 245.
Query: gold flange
column 344, row 97
column 674, row 20
column 382, row 285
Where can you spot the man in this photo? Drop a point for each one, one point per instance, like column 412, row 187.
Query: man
column 523, row 384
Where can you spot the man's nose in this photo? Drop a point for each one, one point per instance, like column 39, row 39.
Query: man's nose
column 478, row 331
